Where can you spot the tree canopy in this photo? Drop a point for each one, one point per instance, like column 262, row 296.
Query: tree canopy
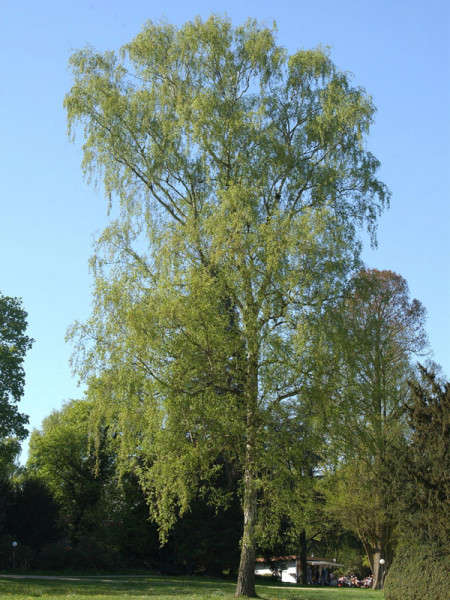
column 242, row 177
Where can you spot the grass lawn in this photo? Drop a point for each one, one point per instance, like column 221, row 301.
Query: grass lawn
column 162, row 588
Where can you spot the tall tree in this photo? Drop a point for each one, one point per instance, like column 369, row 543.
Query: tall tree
column 379, row 330
column 242, row 177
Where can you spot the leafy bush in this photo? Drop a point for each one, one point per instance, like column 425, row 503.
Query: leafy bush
column 89, row 554
column 54, row 556
column 419, row 572
column 85, row 555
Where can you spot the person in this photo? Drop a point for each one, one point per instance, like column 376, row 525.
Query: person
column 309, row 577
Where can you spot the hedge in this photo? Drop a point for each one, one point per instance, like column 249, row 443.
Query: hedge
column 419, row 572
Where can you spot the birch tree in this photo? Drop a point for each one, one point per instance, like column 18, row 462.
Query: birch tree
column 238, row 178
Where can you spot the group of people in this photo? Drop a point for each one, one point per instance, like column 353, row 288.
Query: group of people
column 353, row 581
column 324, row 577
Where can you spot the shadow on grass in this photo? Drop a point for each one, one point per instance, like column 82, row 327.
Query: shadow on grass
column 122, row 587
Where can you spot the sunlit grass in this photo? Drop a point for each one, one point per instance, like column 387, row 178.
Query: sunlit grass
column 162, row 588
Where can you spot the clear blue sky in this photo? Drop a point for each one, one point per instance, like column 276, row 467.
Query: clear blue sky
column 399, row 50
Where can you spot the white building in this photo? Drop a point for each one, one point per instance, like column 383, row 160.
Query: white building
column 288, row 568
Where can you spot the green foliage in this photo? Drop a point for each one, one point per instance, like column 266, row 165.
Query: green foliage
column 427, row 462
column 90, row 554
column 63, row 455
column 376, row 332
column 9, row 453
column 419, row 572
column 97, row 505
column 54, row 556
column 14, row 344
column 87, row 554
column 9, row 470
column 205, row 541
column 32, row 516
column 242, row 179
column 421, row 494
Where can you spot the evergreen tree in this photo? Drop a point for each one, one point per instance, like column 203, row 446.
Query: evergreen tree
column 420, row 495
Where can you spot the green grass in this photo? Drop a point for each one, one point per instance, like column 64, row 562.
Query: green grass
column 161, row 588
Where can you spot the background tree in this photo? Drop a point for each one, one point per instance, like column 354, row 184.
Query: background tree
column 429, row 454
column 378, row 331
column 63, row 454
column 33, row 514
column 14, row 344
column 421, row 487
column 242, row 178
column 102, row 511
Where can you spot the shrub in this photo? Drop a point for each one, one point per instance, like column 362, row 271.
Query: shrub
column 85, row 555
column 419, row 572
column 54, row 556
column 88, row 554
